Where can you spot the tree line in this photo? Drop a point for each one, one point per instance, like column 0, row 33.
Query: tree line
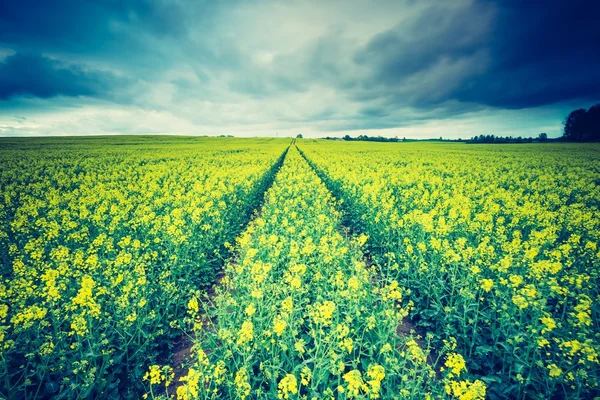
column 582, row 125
column 542, row 137
column 365, row 138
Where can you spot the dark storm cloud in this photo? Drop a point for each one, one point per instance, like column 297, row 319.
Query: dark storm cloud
column 139, row 40
column 374, row 112
column 38, row 76
column 420, row 43
column 542, row 53
column 85, row 26
column 83, row 39
column 507, row 54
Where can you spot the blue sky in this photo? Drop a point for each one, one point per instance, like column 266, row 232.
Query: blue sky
column 321, row 68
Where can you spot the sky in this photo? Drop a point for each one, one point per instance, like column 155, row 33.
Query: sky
column 405, row 68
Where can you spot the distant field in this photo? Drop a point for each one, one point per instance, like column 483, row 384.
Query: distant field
column 298, row 269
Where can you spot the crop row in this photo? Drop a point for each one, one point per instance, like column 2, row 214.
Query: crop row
column 101, row 249
column 299, row 314
column 497, row 249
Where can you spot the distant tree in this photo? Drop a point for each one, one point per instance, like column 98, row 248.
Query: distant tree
column 575, row 125
column 543, row 137
column 299, row 136
column 592, row 124
column 347, row 137
column 583, row 126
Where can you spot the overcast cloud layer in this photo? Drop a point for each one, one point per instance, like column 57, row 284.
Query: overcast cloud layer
column 393, row 68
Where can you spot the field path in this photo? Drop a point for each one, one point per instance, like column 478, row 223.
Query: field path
column 297, row 313
column 180, row 356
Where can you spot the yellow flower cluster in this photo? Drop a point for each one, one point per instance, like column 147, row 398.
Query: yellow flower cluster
column 498, row 243
column 106, row 251
column 467, row 390
column 102, row 245
column 299, row 313
column 456, row 363
column 287, row 386
column 157, row 374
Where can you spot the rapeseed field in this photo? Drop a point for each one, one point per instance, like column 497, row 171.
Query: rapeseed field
column 298, row 269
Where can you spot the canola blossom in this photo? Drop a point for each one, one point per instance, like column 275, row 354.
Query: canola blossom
column 103, row 246
column 304, row 270
column 496, row 247
column 299, row 314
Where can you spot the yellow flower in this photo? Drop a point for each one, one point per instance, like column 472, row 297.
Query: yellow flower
column 487, row 284
column 354, row 382
column 385, row 349
column 279, row 326
column 371, row 322
column 85, row 297
column 79, row 326
column 299, row 346
column 46, row 348
column 242, row 386
column 323, row 313
column 296, row 282
column 153, row 375
column 193, row 306
column 190, row 389
column 246, row 333
column 287, row 305
column 362, row 239
column 554, row 371
column 353, row 283
column 416, row 353
column 516, row 280
column 3, row 311
column 305, row 376
column 549, row 324
column 131, row 317
column 376, row 373
column 467, row 390
column 520, row 301
column 347, row 344
column 250, row 309
column 391, row 292
column 456, row 363
column 219, row 372
column 288, row 385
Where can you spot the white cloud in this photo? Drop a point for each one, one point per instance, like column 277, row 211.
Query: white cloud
column 215, row 119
